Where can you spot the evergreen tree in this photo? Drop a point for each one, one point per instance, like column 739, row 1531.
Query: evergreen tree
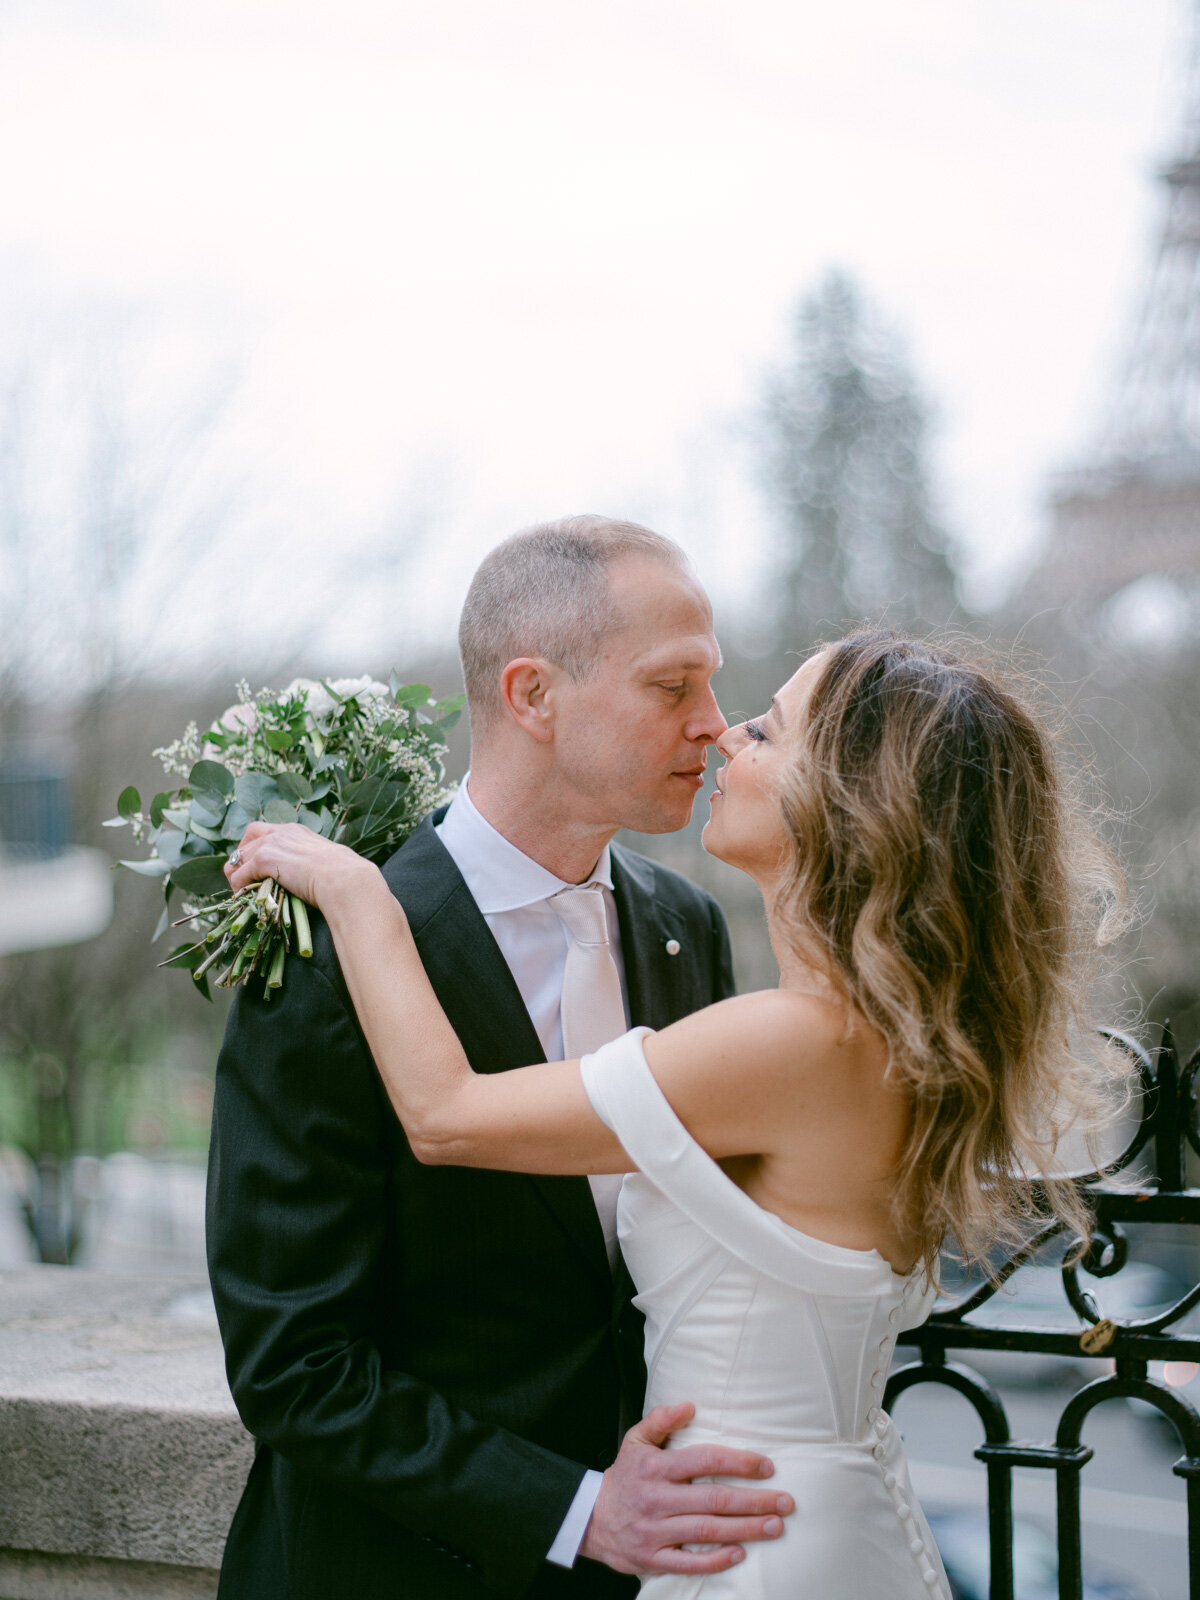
column 844, row 438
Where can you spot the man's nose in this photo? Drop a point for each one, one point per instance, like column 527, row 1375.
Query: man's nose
column 708, row 724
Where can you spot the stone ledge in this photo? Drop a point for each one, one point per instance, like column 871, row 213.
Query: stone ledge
column 28, row 1575
column 121, row 1452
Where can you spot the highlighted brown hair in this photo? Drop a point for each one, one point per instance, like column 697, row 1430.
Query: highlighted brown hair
column 947, row 876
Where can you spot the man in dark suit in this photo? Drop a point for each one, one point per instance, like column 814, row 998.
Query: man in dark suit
column 436, row 1363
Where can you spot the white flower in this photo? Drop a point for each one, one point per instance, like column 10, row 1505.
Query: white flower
column 239, row 718
column 318, row 701
column 364, row 688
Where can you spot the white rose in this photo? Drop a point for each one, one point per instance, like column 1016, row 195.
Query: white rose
column 364, row 688
column 319, row 701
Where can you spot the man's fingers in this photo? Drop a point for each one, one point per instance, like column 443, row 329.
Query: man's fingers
column 657, row 1426
column 713, row 1461
column 695, row 1562
column 724, row 1530
column 722, row 1500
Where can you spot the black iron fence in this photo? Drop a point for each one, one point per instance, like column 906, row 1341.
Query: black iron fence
column 1154, row 1191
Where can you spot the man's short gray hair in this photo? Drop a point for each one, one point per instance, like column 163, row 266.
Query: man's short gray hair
column 544, row 592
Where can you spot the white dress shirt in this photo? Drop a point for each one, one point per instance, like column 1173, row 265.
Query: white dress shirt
column 513, row 892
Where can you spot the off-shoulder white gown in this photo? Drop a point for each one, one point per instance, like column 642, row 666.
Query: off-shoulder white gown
column 783, row 1342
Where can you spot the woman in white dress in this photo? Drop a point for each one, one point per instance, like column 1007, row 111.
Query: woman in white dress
column 798, row 1156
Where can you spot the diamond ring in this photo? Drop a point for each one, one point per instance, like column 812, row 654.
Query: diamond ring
column 236, row 858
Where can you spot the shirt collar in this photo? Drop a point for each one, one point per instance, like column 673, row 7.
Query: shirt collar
column 499, row 876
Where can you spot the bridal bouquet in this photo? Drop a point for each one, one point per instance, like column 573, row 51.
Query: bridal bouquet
column 357, row 761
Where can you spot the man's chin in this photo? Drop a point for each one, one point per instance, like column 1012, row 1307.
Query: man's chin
column 662, row 819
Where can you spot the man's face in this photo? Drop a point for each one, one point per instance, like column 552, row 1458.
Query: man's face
column 631, row 739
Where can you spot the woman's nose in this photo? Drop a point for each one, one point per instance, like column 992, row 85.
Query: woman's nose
column 728, row 740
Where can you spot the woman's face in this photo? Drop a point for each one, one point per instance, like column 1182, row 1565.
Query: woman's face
column 745, row 825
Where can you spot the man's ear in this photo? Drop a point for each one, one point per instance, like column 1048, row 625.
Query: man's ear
column 526, row 687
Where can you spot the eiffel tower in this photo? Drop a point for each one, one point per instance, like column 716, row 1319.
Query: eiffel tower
column 1133, row 508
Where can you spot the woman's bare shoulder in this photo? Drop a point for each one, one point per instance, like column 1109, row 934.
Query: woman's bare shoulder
column 739, row 1072
column 786, row 1027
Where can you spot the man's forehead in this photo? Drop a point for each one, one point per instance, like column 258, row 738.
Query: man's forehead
column 697, row 653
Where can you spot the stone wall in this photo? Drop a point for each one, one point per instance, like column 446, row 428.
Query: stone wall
column 121, row 1455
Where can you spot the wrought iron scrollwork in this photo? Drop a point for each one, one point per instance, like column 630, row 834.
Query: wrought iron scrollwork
column 1145, row 1184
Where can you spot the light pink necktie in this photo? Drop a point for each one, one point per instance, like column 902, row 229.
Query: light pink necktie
column 593, row 1011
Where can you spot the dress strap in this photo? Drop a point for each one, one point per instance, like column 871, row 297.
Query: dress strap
column 625, row 1095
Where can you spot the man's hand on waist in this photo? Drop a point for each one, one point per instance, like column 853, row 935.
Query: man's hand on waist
column 649, row 1505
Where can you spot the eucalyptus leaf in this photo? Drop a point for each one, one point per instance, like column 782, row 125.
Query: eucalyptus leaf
column 278, row 738
column 237, row 820
column 279, row 811
column 154, row 868
column 202, row 815
column 252, row 791
column 169, row 845
column 294, row 786
column 164, row 922
column 202, row 875
column 178, row 816
column 212, row 835
column 129, row 803
column 211, row 775
column 319, row 821
column 158, row 808
column 115, row 822
column 413, row 694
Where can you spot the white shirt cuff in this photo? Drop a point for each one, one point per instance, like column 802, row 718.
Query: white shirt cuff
column 570, row 1536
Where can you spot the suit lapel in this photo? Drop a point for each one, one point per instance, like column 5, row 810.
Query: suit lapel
column 660, row 983
column 480, row 997
column 469, row 975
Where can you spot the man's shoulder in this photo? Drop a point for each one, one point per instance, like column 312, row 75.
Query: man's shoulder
column 664, row 884
column 422, row 874
column 422, row 877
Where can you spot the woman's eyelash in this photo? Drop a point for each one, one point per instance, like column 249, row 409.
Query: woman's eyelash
column 755, row 732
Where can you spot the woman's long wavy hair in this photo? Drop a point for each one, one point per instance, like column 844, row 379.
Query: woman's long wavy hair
column 946, row 875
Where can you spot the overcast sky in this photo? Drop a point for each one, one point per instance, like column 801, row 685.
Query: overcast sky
column 499, row 259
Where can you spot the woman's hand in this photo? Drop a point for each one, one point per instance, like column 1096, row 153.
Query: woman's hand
column 302, row 861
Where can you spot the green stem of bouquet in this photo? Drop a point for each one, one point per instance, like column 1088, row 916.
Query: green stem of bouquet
column 304, row 944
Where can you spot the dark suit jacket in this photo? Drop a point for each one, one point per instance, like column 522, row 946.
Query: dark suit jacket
column 428, row 1357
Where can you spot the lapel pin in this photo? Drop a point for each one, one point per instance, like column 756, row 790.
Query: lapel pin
column 672, row 947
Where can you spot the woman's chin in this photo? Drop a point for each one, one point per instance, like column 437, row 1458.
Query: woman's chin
column 710, row 838
column 720, row 850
